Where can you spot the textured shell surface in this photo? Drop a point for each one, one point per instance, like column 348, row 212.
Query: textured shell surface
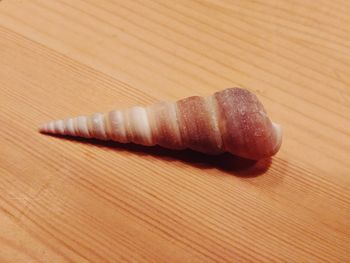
column 232, row 120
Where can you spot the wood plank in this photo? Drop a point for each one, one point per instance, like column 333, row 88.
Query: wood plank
column 64, row 200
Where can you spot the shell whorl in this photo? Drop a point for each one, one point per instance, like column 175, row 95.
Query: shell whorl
column 232, row 120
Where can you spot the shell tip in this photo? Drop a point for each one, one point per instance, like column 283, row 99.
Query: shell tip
column 43, row 128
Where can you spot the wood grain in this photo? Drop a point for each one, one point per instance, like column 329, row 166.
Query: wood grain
column 64, row 200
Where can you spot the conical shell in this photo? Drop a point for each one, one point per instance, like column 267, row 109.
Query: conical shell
column 232, row 120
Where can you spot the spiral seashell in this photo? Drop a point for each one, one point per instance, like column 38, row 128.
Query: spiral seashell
column 232, row 120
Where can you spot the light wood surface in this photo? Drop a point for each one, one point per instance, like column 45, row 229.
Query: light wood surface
column 64, row 200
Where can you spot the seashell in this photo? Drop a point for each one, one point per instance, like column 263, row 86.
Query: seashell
column 231, row 120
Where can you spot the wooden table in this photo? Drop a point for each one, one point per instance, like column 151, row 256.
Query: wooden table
column 64, row 200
